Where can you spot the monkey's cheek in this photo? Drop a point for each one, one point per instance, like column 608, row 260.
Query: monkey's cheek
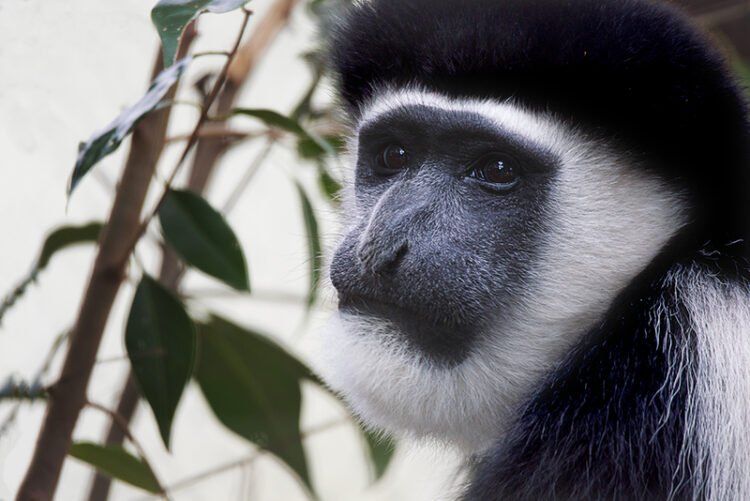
column 364, row 361
column 348, row 355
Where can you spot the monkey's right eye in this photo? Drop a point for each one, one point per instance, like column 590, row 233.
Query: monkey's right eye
column 391, row 160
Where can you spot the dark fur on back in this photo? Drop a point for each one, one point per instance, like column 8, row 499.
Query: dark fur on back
column 636, row 74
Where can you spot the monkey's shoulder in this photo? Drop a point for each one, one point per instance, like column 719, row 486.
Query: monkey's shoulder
column 619, row 417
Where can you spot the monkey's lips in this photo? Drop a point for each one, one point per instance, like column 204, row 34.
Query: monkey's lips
column 440, row 339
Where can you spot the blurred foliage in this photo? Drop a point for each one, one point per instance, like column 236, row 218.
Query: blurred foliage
column 12, row 389
column 115, row 461
column 107, row 140
column 743, row 70
column 171, row 17
column 313, row 239
column 58, row 240
column 253, row 385
column 381, row 449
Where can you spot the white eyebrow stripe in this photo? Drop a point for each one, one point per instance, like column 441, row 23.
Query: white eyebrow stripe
column 506, row 115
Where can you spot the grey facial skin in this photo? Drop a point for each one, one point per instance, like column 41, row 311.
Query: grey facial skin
column 434, row 214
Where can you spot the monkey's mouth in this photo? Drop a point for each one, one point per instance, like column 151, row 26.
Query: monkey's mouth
column 441, row 340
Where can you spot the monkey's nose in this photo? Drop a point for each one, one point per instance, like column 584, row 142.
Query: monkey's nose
column 378, row 255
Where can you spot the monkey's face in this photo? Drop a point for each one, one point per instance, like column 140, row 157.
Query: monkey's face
column 449, row 215
column 481, row 242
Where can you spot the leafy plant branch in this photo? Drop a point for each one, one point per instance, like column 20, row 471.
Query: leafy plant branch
column 53, row 443
column 194, row 136
column 161, row 337
column 208, row 152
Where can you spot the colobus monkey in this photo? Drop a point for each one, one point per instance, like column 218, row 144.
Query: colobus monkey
column 545, row 252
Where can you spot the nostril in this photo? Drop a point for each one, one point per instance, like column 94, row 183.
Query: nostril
column 379, row 257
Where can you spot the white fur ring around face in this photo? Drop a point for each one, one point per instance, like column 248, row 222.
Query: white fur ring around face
column 393, row 388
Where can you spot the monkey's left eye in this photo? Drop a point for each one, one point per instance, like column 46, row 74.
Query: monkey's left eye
column 498, row 172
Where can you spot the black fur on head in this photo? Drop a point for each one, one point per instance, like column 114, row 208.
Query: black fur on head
column 630, row 71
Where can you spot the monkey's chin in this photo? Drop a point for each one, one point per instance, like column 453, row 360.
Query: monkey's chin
column 446, row 341
column 392, row 386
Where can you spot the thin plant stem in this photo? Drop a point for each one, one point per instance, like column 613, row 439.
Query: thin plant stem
column 37, row 381
column 194, row 136
column 212, row 53
column 244, row 461
column 250, row 173
column 123, row 424
column 67, row 396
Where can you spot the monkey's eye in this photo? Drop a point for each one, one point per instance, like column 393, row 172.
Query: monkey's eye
column 497, row 172
column 391, row 160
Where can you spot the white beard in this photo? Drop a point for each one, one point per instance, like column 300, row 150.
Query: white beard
column 393, row 387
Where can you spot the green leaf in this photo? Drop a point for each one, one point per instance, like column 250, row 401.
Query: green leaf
column 277, row 120
column 331, row 188
column 315, row 6
column 107, row 140
column 313, row 244
column 253, row 387
column 309, row 149
column 202, row 237
column 170, row 17
column 160, row 340
column 303, row 107
column 272, row 119
column 381, row 449
column 59, row 239
column 67, row 236
column 116, row 462
column 313, row 149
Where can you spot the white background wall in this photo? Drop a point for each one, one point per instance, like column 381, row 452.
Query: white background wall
column 66, row 69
